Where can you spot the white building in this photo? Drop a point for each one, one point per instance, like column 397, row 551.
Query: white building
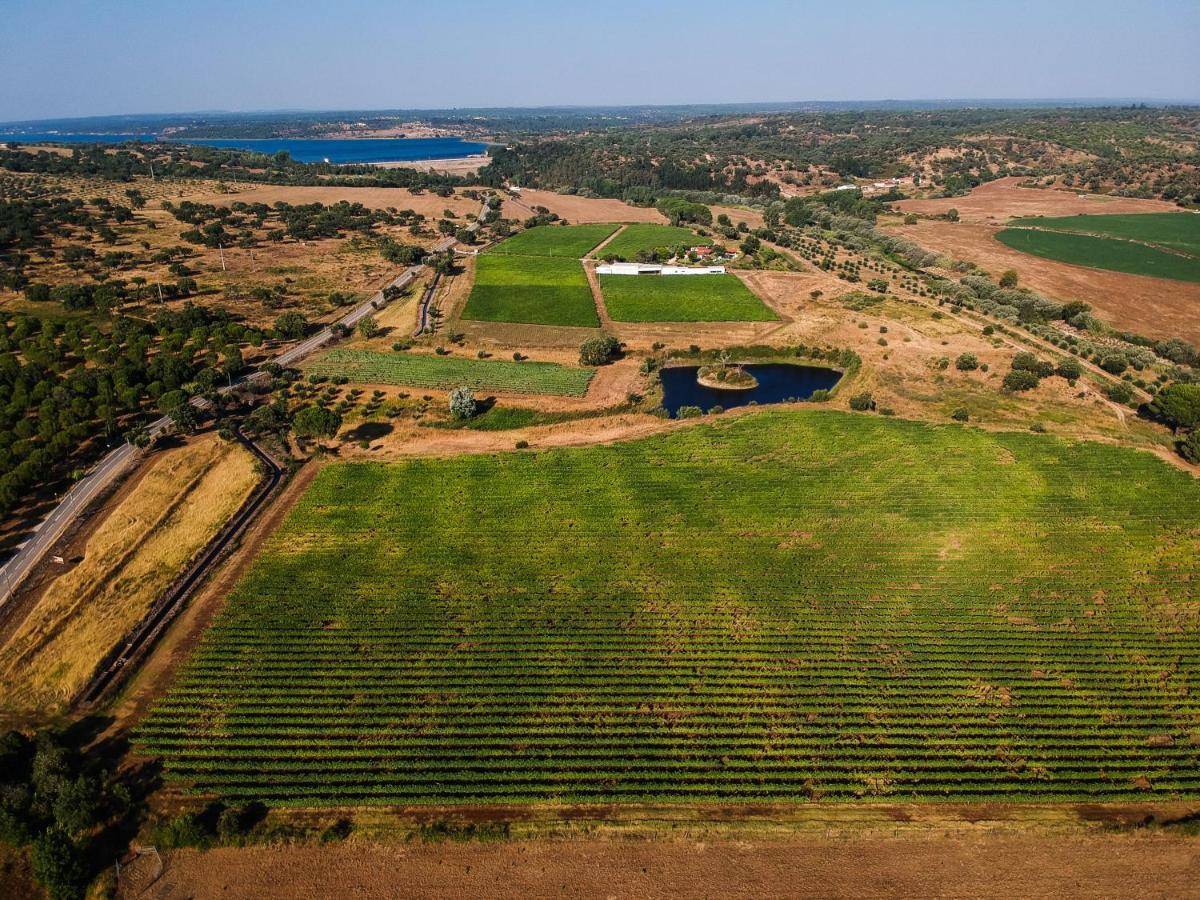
column 629, row 268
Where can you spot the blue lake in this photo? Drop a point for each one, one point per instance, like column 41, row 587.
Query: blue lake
column 309, row 150
column 777, row 383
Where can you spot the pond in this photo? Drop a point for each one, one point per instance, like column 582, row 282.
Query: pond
column 777, row 383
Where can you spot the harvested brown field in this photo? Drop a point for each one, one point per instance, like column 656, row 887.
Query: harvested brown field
column 1003, row 199
column 578, row 210
column 1149, row 306
column 177, row 506
column 982, row 864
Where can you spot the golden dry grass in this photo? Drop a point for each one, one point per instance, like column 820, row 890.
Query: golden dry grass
column 183, row 499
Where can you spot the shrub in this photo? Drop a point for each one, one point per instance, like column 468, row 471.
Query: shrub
column 862, row 402
column 689, row 412
column 1009, row 279
column 988, row 330
column 1114, row 363
column 819, row 396
column 960, row 415
column 599, row 350
column 58, row 863
column 1020, row 380
column 1038, row 428
column 1069, row 369
column 462, row 403
column 966, row 362
column 1119, row 392
column 522, row 445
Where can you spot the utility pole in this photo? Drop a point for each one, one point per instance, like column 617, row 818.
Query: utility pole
column 160, row 296
column 221, row 247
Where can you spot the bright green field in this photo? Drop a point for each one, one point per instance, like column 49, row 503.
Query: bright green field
column 1102, row 253
column 681, row 298
column 1180, row 231
column 531, row 290
column 780, row 606
column 573, row 241
column 645, row 236
column 420, row 370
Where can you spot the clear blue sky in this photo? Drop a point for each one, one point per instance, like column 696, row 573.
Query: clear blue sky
column 101, row 57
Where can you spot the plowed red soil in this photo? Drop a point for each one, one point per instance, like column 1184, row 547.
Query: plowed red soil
column 578, row 210
column 984, row 864
column 1154, row 307
column 1002, row 199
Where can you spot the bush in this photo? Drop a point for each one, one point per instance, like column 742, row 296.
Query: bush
column 1037, row 428
column 988, row 330
column 1009, row 279
column 1020, row 380
column 1114, row 363
column 462, row 403
column 1119, row 392
column 966, row 362
column 689, row 412
column 1069, row 369
column 862, row 402
column 522, row 445
column 820, row 396
column 960, row 415
column 599, row 350
column 184, row 830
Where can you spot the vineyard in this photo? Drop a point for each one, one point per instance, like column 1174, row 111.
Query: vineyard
column 800, row 606
column 422, row 370
column 531, row 290
column 681, row 298
column 571, row 241
column 643, row 236
column 1113, row 254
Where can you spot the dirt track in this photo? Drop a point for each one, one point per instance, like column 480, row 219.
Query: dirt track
column 986, row 864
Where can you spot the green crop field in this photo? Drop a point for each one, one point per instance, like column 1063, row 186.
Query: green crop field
column 421, row 370
column 573, row 241
column 681, row 298
column 531, row 290
column 643, row 236
column 1180, row 230
column 803, row 606
column 1112, row 254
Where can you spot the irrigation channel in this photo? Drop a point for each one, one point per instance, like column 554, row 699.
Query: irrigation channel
column 777, row 383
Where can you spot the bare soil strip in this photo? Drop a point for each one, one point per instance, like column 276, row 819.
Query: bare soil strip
column 982, row 864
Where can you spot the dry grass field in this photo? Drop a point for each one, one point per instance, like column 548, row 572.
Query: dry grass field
column 184, row 497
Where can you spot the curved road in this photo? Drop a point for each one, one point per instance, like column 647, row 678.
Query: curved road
column 114, row 464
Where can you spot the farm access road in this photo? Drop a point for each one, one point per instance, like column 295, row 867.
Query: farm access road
column 118, row 460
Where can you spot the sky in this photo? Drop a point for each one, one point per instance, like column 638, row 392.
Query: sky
column 81, row 57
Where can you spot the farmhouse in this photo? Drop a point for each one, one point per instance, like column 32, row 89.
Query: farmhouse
column 628, row 268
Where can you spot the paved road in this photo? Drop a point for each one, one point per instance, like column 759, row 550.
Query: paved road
column 115, row 463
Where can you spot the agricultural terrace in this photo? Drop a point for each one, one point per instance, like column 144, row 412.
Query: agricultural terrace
column 1113, row 254
column 682, row 298
column 424, row 371
column 531, row 290
column 571, row 241
column 787, row 606
column 1180, row 231
column 644, row 237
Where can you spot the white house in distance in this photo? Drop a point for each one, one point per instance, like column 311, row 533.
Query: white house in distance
column 630, row 268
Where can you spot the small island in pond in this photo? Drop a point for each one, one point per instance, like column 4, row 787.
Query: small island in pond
column 723, row 376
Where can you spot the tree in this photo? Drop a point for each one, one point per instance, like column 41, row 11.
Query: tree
column 1009, row 279
column 1069, row 369
column 291, row 325
column 598, row 350
column 1178, row 406
column 966, row 362
column 316, row 422
column 862, row 402
column 1020, row 380
column 1114, row 363
column 368, row 327
column 1189, row 447
column 175, row 405
column 58, row 864
column 462, row 403
column 952, row 215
